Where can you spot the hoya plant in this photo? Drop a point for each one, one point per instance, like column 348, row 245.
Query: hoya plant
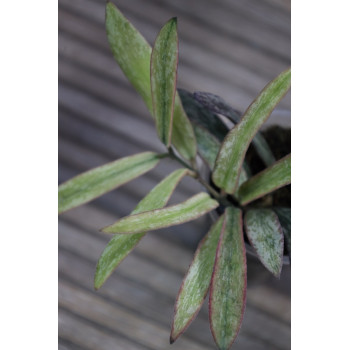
column 190, row 128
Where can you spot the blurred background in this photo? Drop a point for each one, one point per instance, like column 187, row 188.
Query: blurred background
column 232, row 48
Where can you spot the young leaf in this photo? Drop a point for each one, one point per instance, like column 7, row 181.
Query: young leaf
column 218, row 105
column 121, row 245
column 164, row 61
column 229, row 162
column 268, row 180
column 133, row 54
column 265, row 235
column 98, row 181
column 229, row 282
column 284, row 216
column 196, row 283
column 188, row 210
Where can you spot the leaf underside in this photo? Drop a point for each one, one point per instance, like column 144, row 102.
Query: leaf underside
column 133, row 54
column 229, row 282
column 268, row 180
column 265, row 235
column 164, row 61
column 98, row 181
column 121, row 245
column 188, row 210
column 229, row 162
column 196, row 283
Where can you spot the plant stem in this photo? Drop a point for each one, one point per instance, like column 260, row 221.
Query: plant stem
column 196, row 175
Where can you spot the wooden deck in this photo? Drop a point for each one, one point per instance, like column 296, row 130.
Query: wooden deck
column 231, row 48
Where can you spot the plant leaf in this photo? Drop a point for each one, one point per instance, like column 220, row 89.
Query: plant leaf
column 218, row 105
column 188, row 210
column 229, row 162
column 265, row 235
column 229, row 282
column 164, row 61
column 121, row 245
column 268, row 180
column 195, row 285
column 98, row 181
column 133, row 54
column 284, row 216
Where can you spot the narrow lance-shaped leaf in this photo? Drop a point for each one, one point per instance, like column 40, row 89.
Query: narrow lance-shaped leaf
column 98, row 181
column 164, row 61
column 218, row 105
column 121, row 245
column 229, row 282
column 268, row 180
column 265, row 235
column 196, row 283
column 284, row 216
column 229, row 162
column 133, row 54
column 188, row 210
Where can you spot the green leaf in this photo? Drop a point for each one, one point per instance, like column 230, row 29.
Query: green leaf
column 196, row 283
column 218, row 105
column 191, row 209
column 268, row 180
column 266, row 237
column 229, row 162
column 284, row 216
column 121, row 245
column 133, row 54
column 164, row 61
column 229, row 282
column 98, row 181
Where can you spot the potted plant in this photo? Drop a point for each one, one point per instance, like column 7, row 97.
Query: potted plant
column 191, row 130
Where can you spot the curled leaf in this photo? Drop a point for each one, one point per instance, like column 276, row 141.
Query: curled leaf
column 188, row 210
column 98, row 181
column 121, row 245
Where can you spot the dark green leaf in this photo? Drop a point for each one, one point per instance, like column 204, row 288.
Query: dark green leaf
column 164, row 60
column 196, row 283
column 121, row 245
column 98, row 181
column 284, row 216
column 229, row 282
column 230, row 159
column 191, row 209
column 265, row 235
column 268, row 180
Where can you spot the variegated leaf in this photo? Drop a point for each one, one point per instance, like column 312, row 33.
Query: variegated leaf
column 265, row 235
column 230, row 159
column 164, row 61
column 268, row 180
column 98, row 181
column 229, row 282
column 133, row 54
column 196, row 283
column 121, row 245
column 188, row 210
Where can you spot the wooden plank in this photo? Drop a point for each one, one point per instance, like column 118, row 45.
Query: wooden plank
column 89, row 337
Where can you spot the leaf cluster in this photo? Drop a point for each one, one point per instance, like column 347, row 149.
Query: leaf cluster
column 191, row 126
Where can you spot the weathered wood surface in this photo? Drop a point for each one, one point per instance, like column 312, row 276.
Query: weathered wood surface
column 231, row 48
